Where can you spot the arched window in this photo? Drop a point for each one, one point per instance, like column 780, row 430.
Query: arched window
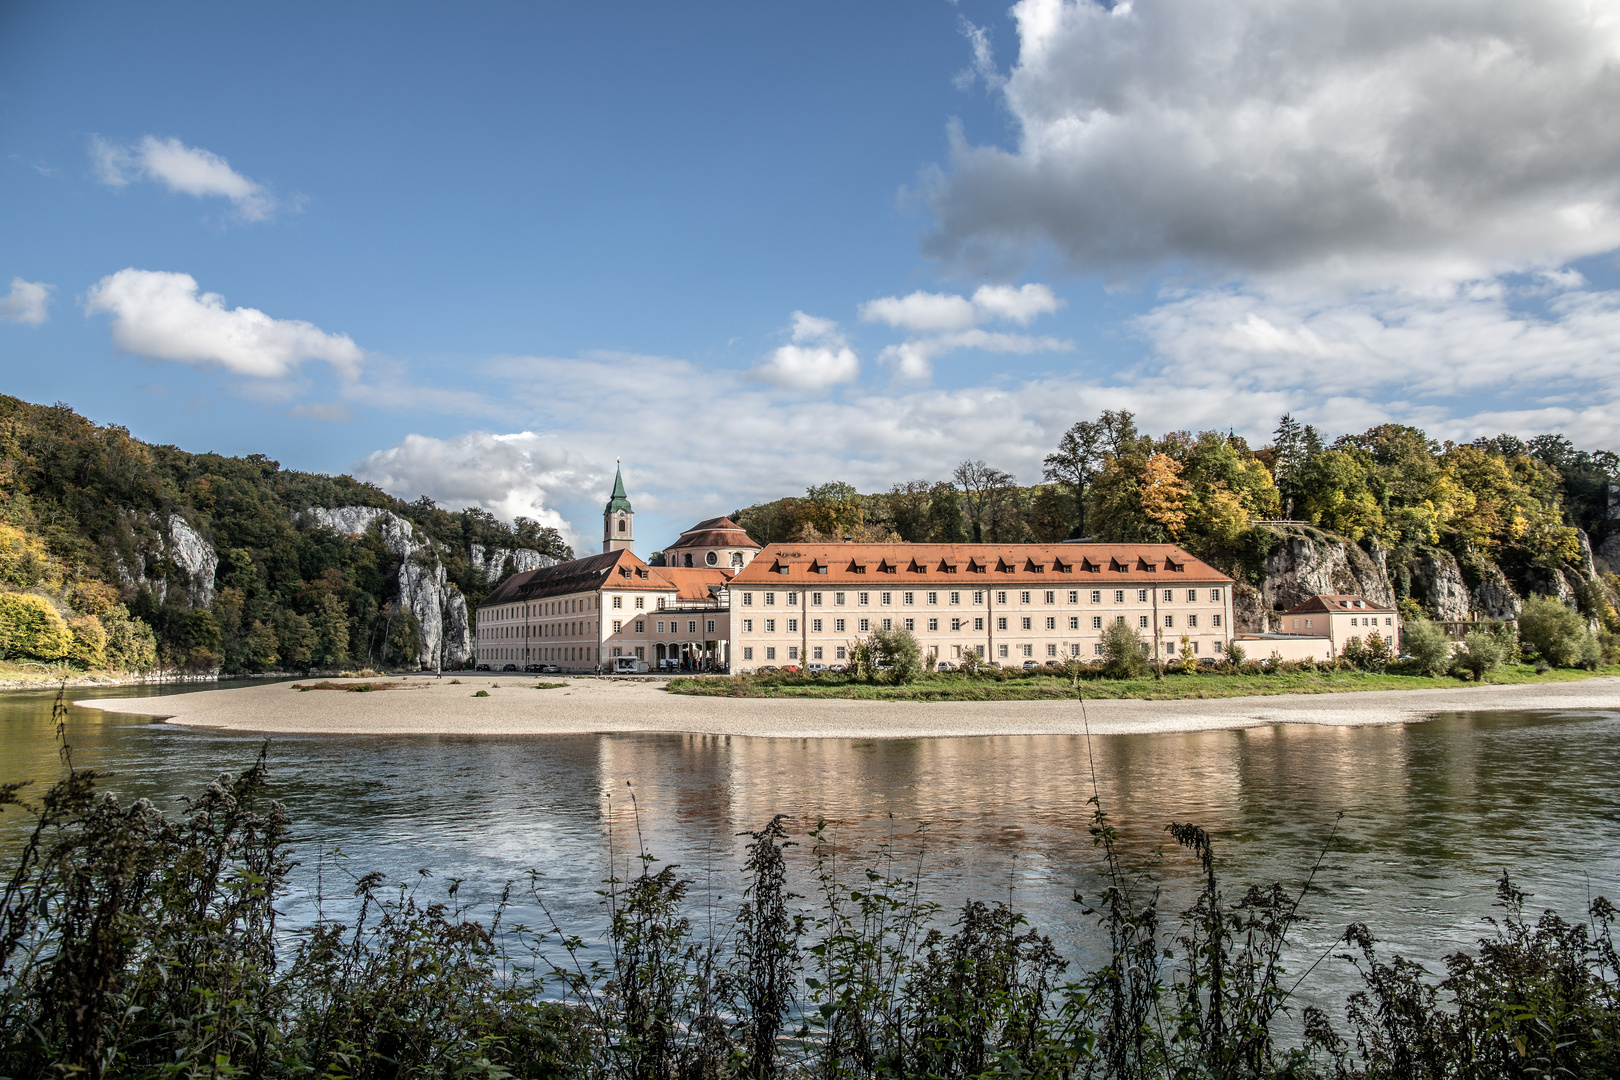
column 621, row 524
column 736, row 558
column 686, row 560
column 713, row 558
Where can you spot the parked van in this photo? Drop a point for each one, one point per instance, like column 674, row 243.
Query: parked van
column 629, row 665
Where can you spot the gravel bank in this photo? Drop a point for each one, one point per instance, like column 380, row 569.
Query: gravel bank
column 429, row 706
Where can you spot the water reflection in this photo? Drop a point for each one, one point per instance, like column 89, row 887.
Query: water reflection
column 1432, row 811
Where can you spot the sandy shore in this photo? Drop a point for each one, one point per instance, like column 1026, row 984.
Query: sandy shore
column 428, row 706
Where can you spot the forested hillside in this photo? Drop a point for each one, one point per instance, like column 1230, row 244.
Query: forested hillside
column 121, row 554
column 1450, row 524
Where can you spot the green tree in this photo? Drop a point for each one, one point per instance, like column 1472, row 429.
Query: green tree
column 1552, row 630
column 908, row 509
column 89, row 649
column 1076, row 464
column 330, row 621
column 1428, row 646
column 1125, row 656
column 262, row 650
column 896, row 656
column 945, row 514
column 1481, row 652
column 986, row 495
column 31, row 626
column 295, row 640
column 836, row 509
column 1051, row 513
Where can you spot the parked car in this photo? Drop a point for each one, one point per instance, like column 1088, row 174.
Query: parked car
column 531, row 668
column 629, row 665
column 816, row 669
column 836, row 669
column 944, row 665
column 549, row 669
column 1031, row 665
column 482, row 667
column 510, row 667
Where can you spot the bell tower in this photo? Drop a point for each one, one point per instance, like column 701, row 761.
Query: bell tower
column 618, row 531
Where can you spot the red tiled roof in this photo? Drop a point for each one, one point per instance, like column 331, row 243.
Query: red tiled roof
column 1336, row 602
column 694, row 582
column 619, row 569
column 715, row 532
column 880, row 565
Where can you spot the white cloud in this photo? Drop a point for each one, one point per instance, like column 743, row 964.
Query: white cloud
column 950, row 321
column 161, row 315
column 817, row 358
column 188, row 170
column 1358, row 140
column 26, row 303
column 509, row 475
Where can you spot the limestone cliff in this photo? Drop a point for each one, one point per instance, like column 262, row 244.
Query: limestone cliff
column 1302, row 565
column 439, row 607
column 493, row 562
column 164, row 552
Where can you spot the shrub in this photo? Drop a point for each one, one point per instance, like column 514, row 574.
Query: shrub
column 896, row 655
column 1481, row 652
column 30, row 626
column 89, row 648
column 1591, row 657
column 1553, row 630
column 1124, row 654
column 1428, row 646
column 1235, row 655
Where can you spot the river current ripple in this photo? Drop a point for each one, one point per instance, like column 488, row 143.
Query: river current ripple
column 1432, row 812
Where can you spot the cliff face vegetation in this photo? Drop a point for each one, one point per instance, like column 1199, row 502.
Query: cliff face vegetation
column 1456, row 531
column 118, row 554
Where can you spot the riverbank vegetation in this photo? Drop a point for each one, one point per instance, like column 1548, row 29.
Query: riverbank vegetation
column 133, row 944
column 1054, row 684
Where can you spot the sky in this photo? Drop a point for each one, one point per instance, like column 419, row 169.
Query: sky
column 480, row 252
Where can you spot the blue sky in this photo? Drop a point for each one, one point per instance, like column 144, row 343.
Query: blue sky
column 479, row 251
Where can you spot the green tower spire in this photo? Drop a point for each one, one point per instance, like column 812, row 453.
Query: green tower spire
column 618, row 500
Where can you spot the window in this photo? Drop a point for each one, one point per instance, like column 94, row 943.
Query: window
column 1074, row 596
column 793, row 626
column 1029, row 650
column 1192, row 595
column 956, row 598
column 1214, row 594
column 1195, row 648
column 1074, row 650
column 1214, row 620
column 1001, row 598
column 1096, row 596
column 660, row 626
column 838, row 653
column 748, row 652
column 908, row 598
column 770, row 599
column 1307, row 624
column 838, row 625
column 793, row 652
column 978, row 624
column 641, row 626
column 815, row 653
column 641, row 652
column 1051, row 624
column 1051, row 650
column 885, row 599
column 792, row 598
column 618, row 625
column 838, row 598
column 1141, row 596
column 770, row 652
column 815, row 626
column 1001, row 651
column 815, row 599
column 888, row 624
column 956, row 624
column 691, row 626
column 1023, row 597
column 1388, row 621
column 978, row 597
column 748, row 599
column 933, row 598
column 865, row 625
column 618, row 602
column 1169, row 595
column 1119, row 596
column 1169, row 621
column 1074, row 622
column 770, row 626
column 910, row 624
column 1219, row 648
column 933, row 624
column 1169, row 648
column 1142, row 621
column 711, row 626
column 1192, row 621
column 1001, row 623
column 1119, row 620
column 736, row 558
column 711, row 558
column 1024, row 623
column 862, row 599
column 748, row 626
column 641, row 602
column 617, row 651
column 1051, row 597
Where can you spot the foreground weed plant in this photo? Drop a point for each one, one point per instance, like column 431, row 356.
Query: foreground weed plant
column 133, row 944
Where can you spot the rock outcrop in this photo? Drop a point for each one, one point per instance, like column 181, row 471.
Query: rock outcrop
column 492, row 562
column 1438, row 582
column 439, row 607
column 173, row 552
column 1300, row 567
column 1609, row 551
column 1493, row 597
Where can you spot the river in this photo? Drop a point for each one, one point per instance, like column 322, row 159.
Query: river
column 1432, row 812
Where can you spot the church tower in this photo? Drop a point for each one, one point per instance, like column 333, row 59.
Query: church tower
column 618, row 534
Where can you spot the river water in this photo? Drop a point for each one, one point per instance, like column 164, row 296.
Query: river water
column 1432, row 812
